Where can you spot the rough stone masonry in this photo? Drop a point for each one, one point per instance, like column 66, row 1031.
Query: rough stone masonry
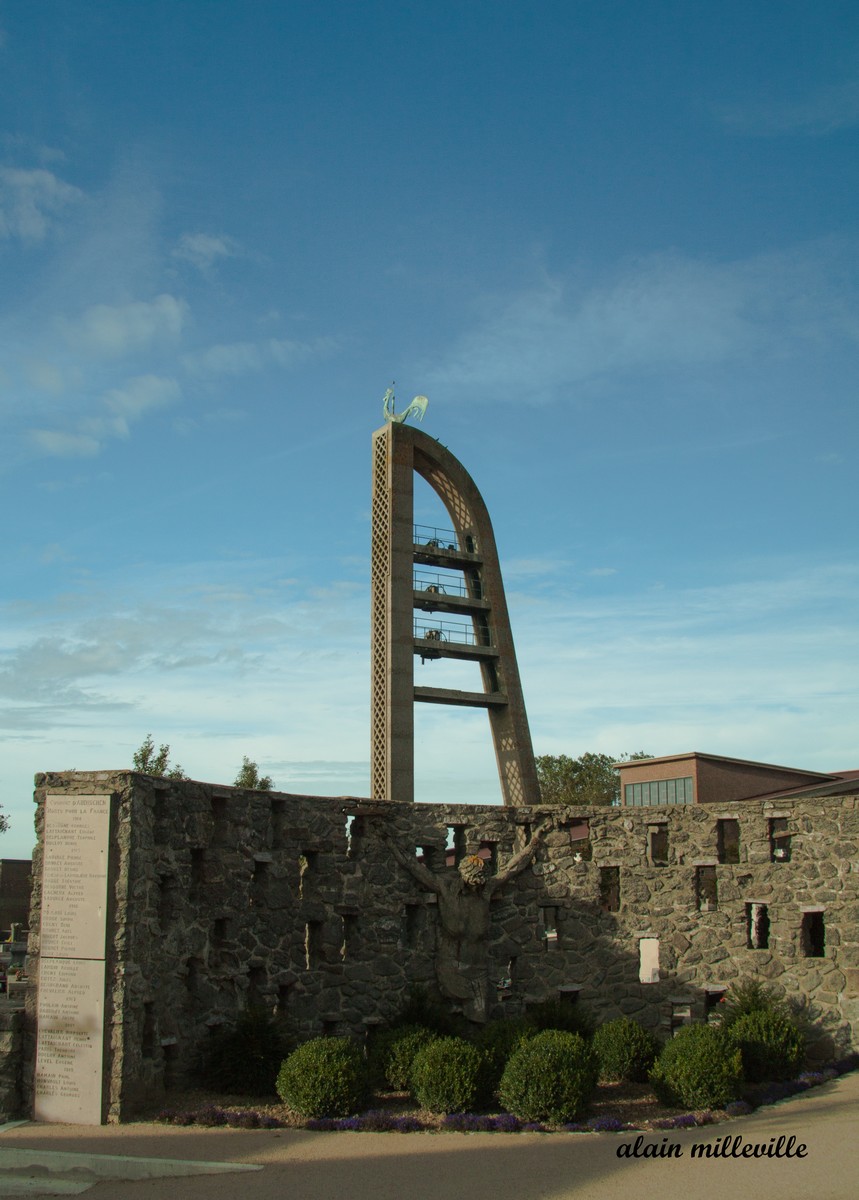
column 220, row 897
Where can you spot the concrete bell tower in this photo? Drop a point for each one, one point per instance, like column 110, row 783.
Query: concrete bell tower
column 470, row 587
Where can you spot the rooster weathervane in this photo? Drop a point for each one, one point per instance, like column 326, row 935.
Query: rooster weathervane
column 416, row 409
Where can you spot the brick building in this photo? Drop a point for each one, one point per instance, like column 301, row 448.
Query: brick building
column 697, row 778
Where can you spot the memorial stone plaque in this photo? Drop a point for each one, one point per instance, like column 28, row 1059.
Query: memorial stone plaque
column 69, row 1048
column 74, row 876
column 70, row 1006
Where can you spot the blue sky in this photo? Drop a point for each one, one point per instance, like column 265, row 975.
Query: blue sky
column 614, row 243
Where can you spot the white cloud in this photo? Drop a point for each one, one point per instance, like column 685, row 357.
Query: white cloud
column 203, row 250
column 219, row 660
column 167, row 647
column 825, row 111
column 115, row 330
column 662, row 313
column 140, row 394
column 121, row 407
column 232, row 358
column 65, row 445
column 763, row 668
column 239, row 358
column 533, row 568
column 46, row 376
column 30, row 201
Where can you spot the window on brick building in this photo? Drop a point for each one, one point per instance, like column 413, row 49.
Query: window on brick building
column 659, row 791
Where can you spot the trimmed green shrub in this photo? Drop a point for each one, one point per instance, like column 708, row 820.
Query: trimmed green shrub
column 625, row 1050
column 770, row 1044
column 551, row 1077
column 747, row 996
column 394, row 1052
column 562, row 1014
column 324, row 1078
column 243, row 1058
column 698, row 1068
column 450, row 1075
column 500, row 1039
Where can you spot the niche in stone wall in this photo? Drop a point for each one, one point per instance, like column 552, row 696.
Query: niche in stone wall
column 549, row 925
column 220, row 821
column 307, row 862
column 713, row 997
column 456, row 848
column 757, row 926
column 681, row 1014
column 488, row 852
column 198, row 869
column 278, row 824
column 507, row 982
column 657, row 845
column 610, row 889
column 193, row 969
column 349, row 931
column 706, row 888
column 728, row 840
column 780, row 840
column 414, row 921
column 256, row 976
column 356, row 829
column 168, row 897
column 813, row 933
column 312, row 944
column 260, row 878
column 220, row 931
column 580, row 839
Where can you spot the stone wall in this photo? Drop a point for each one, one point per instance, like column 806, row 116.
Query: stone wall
column 222, row 896
column 11, row 1063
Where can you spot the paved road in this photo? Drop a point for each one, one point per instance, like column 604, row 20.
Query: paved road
column 298, row 1165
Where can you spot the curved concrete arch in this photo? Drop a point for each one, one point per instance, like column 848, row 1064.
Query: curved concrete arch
column 400, row 451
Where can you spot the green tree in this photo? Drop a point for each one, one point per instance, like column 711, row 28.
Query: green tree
column 149, row 763
column 249, row 777
column 590, row 779
column 4, row 822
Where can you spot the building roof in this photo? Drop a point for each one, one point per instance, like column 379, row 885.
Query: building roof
column 814, row 783
column 841, row 783
column 742, row 762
